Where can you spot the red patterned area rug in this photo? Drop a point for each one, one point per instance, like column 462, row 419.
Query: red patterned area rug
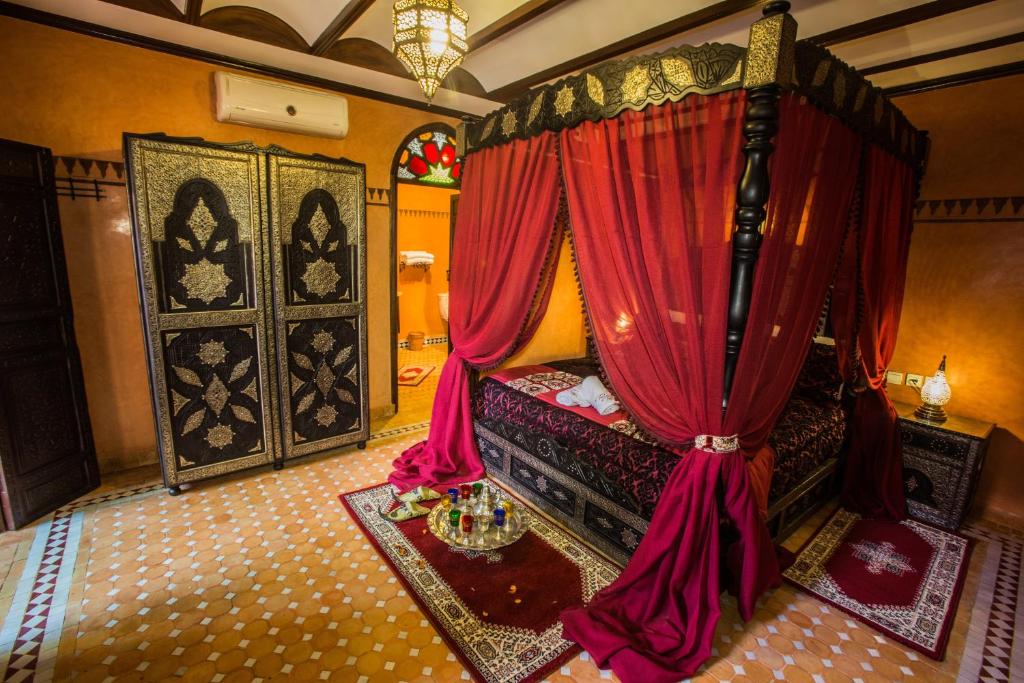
column 901, row 578
column 497, row 610
column 412, row 375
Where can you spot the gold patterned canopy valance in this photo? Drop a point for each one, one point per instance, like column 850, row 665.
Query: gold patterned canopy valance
column 774, row 58
column 607, row 90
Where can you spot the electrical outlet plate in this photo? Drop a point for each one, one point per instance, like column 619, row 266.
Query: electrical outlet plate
column 893, row 377
column 916, row 381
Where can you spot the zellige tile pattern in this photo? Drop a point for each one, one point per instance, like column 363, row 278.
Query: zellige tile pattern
column 263, row 576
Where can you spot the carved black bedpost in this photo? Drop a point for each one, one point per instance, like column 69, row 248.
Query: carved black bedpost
column 769, row 66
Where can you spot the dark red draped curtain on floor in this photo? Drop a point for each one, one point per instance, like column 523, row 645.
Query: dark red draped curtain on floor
column 651, row 196
column 873, row 480
column 503, row 262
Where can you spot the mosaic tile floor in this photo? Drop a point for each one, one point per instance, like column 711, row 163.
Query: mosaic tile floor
column 415, row 403
column 263, row 576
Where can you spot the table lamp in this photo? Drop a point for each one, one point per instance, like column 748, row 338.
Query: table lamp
column 934, row 394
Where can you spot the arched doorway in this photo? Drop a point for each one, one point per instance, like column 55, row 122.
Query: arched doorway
column 426, row 175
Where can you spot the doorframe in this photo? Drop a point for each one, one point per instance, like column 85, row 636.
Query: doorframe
column 393, row 237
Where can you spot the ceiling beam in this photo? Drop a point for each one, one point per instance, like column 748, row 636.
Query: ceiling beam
column 894, row 20
column 956, row 79
column 944, row 54
column 511, row 21
column 715, row 12
column 193, row 11
column 343, row 22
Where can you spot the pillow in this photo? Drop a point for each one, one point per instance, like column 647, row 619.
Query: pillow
column 819, row 380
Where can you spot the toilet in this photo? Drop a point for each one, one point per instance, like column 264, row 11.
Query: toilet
column 442, row 304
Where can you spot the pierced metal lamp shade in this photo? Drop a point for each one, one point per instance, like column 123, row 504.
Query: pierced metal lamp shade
column 430, row 39
column 934, row 394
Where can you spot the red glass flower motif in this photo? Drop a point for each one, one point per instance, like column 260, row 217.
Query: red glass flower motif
column 447, row 155
column 417, row 166
column 431, row 152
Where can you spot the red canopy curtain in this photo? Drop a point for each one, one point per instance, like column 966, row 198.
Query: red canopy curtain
column 873, row 479
column 651, row 196
column 503, row 263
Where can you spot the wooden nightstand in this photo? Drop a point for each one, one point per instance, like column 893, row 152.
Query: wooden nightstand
column 941, row 465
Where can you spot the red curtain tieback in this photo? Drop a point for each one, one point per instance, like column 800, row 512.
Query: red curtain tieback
column 717, row 444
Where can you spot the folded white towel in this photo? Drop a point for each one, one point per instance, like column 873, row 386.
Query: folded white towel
column 417, row 254
column 419, row 261
column 590, row 393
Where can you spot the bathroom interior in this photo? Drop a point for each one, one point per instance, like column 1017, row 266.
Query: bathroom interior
column 423, row 241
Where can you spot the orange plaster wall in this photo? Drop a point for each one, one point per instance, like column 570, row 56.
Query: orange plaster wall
column 424, row 224
column 562, row 333
column 965, row 283
column 77, row 95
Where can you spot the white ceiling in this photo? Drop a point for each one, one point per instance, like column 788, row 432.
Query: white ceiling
column 573, row 28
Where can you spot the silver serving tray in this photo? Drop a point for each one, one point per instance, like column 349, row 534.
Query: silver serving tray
column 492, row 538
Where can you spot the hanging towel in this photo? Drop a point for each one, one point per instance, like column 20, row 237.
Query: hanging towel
column 417, row 258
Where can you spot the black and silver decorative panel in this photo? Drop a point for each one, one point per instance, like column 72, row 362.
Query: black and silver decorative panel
column 317, row 209
column 941, row 469
column 214, row 390
column 324, row 382
column 321, row 259
column 201, row 264
column 199, row 225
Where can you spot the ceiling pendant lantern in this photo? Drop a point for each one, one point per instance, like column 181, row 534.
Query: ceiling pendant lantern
column 430, row 39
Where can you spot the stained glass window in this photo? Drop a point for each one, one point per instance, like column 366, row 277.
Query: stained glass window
column 429, row 158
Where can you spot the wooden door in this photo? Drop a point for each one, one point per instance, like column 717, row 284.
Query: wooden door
column 199, row 228
column 318, row 243
column 47, row 455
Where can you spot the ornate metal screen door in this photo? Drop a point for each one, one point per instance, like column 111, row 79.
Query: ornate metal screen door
column 319, row 287
column 200, row 223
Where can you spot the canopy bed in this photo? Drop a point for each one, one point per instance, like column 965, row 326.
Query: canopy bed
column 702, row 289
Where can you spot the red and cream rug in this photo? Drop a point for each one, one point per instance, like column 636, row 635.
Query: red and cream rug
column 412, row 375
column 497, row 610
column 901, row 578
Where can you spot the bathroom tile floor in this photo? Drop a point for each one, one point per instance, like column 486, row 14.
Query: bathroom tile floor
column 415, row 403
column 263, row 576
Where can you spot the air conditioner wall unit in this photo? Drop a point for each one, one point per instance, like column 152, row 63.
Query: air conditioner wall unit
column 267, row 104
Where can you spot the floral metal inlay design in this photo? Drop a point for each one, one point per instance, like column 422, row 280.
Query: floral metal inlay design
column 212, row 352
column 323, row 372
column 323, row 341
column 326, row 415
column 324, row 379
column 321, row 277
column 216, row 395
column 202, row 223
column 205, row 281
column 319, row 226
column 217, row 413
column 220, row 436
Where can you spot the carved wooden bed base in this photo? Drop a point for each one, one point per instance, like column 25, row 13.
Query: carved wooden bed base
column 567, row 490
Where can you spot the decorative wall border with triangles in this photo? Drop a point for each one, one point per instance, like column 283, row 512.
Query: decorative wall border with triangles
column 970, row 210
